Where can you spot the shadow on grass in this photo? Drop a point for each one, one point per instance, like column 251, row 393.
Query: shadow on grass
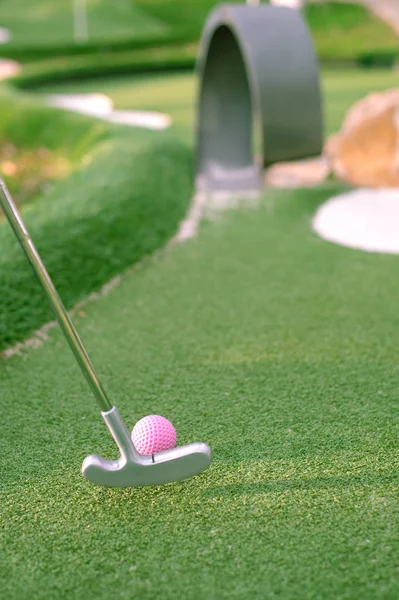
column 305, row 484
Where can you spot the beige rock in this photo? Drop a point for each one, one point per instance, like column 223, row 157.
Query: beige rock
column 303, row 173
column 366, row 150
column 331, row 146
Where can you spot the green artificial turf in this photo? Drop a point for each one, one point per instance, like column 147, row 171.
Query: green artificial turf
column 346, row 30
column 51, row 22
column 123, row 161
column 124, row 199
column 339, row 28
column 165, row 58
column 130, row 189
column 26, row 121
column 275, row 347
column 134, row 35
column 278, row 349
column 176, row 93
column 343, row 87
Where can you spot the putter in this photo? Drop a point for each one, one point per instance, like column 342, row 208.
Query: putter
column 131, row 469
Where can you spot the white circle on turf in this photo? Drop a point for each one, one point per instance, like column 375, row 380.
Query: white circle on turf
column 365, row 219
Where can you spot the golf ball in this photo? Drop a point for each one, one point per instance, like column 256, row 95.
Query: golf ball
column 153, row 434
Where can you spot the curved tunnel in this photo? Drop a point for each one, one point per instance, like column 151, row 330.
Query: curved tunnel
column 225, row 114
column 259, row 99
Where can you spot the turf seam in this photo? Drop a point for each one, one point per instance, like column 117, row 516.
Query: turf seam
column 38, row 338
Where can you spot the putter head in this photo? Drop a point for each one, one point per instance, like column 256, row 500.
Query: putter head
column 132, row 469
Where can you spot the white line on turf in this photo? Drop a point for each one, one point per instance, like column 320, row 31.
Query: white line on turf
column 37, row 339
column 209, row 205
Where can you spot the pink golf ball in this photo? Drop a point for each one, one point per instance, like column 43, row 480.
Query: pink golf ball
column 153, row 434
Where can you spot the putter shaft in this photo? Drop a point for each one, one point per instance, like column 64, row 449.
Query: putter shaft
column 131, row 469
column 70, row 333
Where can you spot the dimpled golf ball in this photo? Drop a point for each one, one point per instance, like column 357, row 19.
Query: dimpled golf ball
column 153, row 434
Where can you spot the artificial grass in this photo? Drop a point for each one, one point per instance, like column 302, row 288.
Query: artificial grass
column 164, row 59
column 176, row 93
column 343, row 87
column 28, row 173
column 128, row 201
column 27, row 122
column 51, row 23
column 275, row 347
column 124, row 200
column 43, row 29
column 79, row 209
column 149, row 34
column 342, row 30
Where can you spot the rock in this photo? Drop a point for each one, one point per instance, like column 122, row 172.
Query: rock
column 366, row 150
column 303, row 173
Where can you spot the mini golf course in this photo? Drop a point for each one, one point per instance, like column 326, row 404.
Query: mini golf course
column 277, row 348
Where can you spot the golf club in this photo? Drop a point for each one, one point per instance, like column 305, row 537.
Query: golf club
column 131, row 468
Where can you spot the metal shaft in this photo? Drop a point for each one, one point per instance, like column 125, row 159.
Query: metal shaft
column 52, row 296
